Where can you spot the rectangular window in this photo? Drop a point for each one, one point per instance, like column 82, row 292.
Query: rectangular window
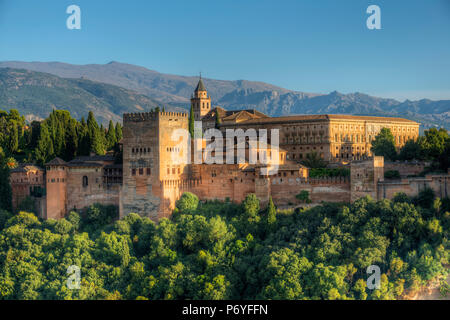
column 148, row 171
column 141, row 171
column 133, row 172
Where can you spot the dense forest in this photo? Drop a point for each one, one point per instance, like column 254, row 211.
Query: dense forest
column 217, row 250
column 221, row 250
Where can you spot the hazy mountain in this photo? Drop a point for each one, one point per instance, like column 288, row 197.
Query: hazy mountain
column 275, row 101
column 163, row 87
column 36, row 94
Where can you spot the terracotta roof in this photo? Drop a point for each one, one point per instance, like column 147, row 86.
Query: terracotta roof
column 25, row 167
column 56, row 162
column 323, row 117
column 227, row 115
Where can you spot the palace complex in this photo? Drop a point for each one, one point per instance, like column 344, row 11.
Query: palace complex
column 151, row 179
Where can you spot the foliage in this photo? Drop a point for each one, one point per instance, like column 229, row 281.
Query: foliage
column 303, row 196
column 326, row 172
column 187, row 203
column 207, row 252
column 313, row 160
column 392, row 174
column 384, row 144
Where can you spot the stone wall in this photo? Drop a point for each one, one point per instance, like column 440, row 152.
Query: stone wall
column 332, row 189
column 80, row 195
column 364, row 176
column 440, row 184
column 405, row 168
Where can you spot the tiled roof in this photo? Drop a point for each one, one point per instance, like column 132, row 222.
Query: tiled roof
column 200, row 86
column 56, row 162
column 227, row 115
column 25, row 167
column 322, row 117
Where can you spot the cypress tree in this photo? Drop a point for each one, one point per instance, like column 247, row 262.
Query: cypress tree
column 14, row 138
column 44, row 150
column 271, row 213
column 218, row 121
column 71, row 142
column 111, row 137
column 97, row 145
column 119, row 133
column 191, row 121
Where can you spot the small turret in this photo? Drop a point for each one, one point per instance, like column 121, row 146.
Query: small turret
column 200, row 101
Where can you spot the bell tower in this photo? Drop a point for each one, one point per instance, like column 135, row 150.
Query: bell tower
column 200, row 101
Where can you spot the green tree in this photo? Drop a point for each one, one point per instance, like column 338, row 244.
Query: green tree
column 44, row 150
column 271, row 213
column 118, row 132
column 435, row 142
column 191, row 121
column 111, row 136
column 384, row 144
column 187, row 203
column 411, row 150
column 218, row 120
column 97, row 145
column 303, row 196
column 251, row 206
column 313, row 161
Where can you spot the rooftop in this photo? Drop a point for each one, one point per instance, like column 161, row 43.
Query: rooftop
column 323, row 117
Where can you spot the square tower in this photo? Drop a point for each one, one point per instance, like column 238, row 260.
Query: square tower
column 200, row 101
column 148, row 166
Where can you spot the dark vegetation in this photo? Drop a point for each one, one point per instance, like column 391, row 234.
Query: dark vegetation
column 221, row 250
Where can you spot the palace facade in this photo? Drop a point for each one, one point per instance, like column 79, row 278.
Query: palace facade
column 150, row 180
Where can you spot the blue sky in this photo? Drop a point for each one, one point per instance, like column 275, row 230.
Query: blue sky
column 305, row 45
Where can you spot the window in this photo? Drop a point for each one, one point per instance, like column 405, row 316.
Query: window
column 148, row 171
column 85, row 181
column 141, row 171
column 133, row 172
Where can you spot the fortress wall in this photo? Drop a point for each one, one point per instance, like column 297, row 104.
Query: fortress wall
column 440, row 184
column 405, row 168
column 80, row 196
column 332, row 189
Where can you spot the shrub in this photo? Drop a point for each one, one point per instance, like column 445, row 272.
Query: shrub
column 188, row 203
column 392, row 174
column 303, row 196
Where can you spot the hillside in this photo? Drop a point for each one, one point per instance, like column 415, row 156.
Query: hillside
column 36, row 94
column 176, row 90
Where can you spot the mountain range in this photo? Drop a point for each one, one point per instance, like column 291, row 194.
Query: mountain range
column 113, row 88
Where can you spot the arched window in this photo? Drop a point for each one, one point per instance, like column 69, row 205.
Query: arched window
column 85, row 181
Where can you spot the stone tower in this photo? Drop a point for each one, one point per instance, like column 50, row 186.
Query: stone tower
column 365, row 175
column 56, row 188
column 150, row 175
column 200, row 101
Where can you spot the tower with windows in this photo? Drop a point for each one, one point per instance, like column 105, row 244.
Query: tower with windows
column 200, row 101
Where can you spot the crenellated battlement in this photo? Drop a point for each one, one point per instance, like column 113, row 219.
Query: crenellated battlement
column 139, row 117
column 173, row 114
column 148, row 116
column 312, row 181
